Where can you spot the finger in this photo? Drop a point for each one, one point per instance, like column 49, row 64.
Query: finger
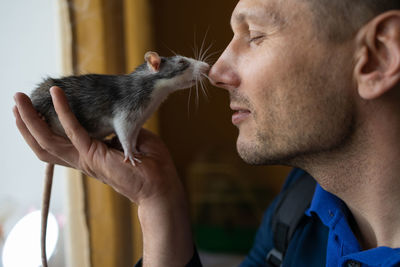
column 47, row 140
column 30, row 140
column 35, row 125
column 75, row 132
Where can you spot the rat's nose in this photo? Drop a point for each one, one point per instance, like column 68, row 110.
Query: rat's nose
column 223, row 75
column 204, row 67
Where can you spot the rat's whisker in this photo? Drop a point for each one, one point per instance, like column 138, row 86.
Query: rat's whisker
column 203, row 88
column 190, row 94
column 211, row 60
column 194, row 52
column 203, row 43
column 209, row 56
column 172, row 51
column 197, row 94
column 204, row 85
column 195, row 48
column 203, row 56
column 205, row 75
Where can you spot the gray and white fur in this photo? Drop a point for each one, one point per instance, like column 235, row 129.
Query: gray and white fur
column 120, row 104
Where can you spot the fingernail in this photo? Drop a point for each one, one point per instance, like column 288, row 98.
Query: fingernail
column 16, row 96
column 51, row 90
column 15, row 111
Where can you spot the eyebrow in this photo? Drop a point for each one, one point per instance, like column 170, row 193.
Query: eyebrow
column 258, row 16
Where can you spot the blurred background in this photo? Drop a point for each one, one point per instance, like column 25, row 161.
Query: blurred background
column 55, row 38
column 29, row 51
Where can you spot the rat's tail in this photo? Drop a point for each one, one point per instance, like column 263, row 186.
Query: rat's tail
column 45, row 209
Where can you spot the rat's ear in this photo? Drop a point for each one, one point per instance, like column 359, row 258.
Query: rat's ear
column 377, row 65
column 153, row 60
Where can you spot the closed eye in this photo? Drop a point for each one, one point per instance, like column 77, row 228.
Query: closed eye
column 252, row 39
column 256, row 37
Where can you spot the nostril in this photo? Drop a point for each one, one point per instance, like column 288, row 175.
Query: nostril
column 218, row 84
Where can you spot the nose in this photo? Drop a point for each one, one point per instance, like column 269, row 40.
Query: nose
column 204, row 67
column 223, row 73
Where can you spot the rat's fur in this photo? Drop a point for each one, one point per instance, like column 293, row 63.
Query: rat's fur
column 104, row 104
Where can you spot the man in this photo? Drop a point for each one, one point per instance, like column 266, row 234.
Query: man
column 315, row 85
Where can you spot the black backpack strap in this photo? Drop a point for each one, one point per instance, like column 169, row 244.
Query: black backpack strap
column 289, row 212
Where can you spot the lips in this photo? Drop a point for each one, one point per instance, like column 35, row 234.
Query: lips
column 240, row 114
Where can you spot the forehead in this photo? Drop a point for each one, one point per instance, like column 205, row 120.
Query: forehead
column 258, row 11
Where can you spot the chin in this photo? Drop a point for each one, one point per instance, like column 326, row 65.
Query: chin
column 256, row 152
column 249, row 151
column 251, row 155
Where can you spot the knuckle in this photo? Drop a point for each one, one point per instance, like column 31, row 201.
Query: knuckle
column 71, row 132
column 48, row 146
column 84, row 166
column 42, row 155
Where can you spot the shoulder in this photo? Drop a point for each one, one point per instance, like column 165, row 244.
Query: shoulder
column 264, row 240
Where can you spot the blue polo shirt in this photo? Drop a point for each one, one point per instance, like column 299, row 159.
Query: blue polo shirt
column 325, row 239
column 343, row 247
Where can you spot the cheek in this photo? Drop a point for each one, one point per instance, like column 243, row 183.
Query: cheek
column 265, row 65
column 259, row 67
column 266, row 81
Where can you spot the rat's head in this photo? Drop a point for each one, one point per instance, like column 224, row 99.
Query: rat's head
column 175, row 72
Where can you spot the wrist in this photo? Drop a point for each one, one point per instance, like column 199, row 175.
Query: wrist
column 167, row 234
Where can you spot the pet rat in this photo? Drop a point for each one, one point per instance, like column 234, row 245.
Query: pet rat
column 120, row 104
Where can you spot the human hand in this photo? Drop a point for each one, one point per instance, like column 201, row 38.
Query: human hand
column 153, row 184
column 154, row 177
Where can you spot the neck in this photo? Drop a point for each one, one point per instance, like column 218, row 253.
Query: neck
column 365, row 174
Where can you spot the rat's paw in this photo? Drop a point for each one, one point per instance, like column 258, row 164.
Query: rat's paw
column 132, row 159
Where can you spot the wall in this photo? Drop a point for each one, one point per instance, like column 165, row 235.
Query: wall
column 28, row 52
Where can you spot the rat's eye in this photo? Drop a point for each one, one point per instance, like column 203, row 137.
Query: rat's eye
column 182, row 64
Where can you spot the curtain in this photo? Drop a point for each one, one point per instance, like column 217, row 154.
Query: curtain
column 106, row 37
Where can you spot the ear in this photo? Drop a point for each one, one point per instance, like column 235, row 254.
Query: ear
column 377, row 68
column 153, row 61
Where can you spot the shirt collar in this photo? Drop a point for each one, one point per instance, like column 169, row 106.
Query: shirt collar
column 327, row 206
column 333, row 213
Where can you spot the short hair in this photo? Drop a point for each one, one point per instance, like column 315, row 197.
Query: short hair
column 339, row 20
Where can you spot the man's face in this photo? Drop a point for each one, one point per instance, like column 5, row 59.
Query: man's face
column 290, row 91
